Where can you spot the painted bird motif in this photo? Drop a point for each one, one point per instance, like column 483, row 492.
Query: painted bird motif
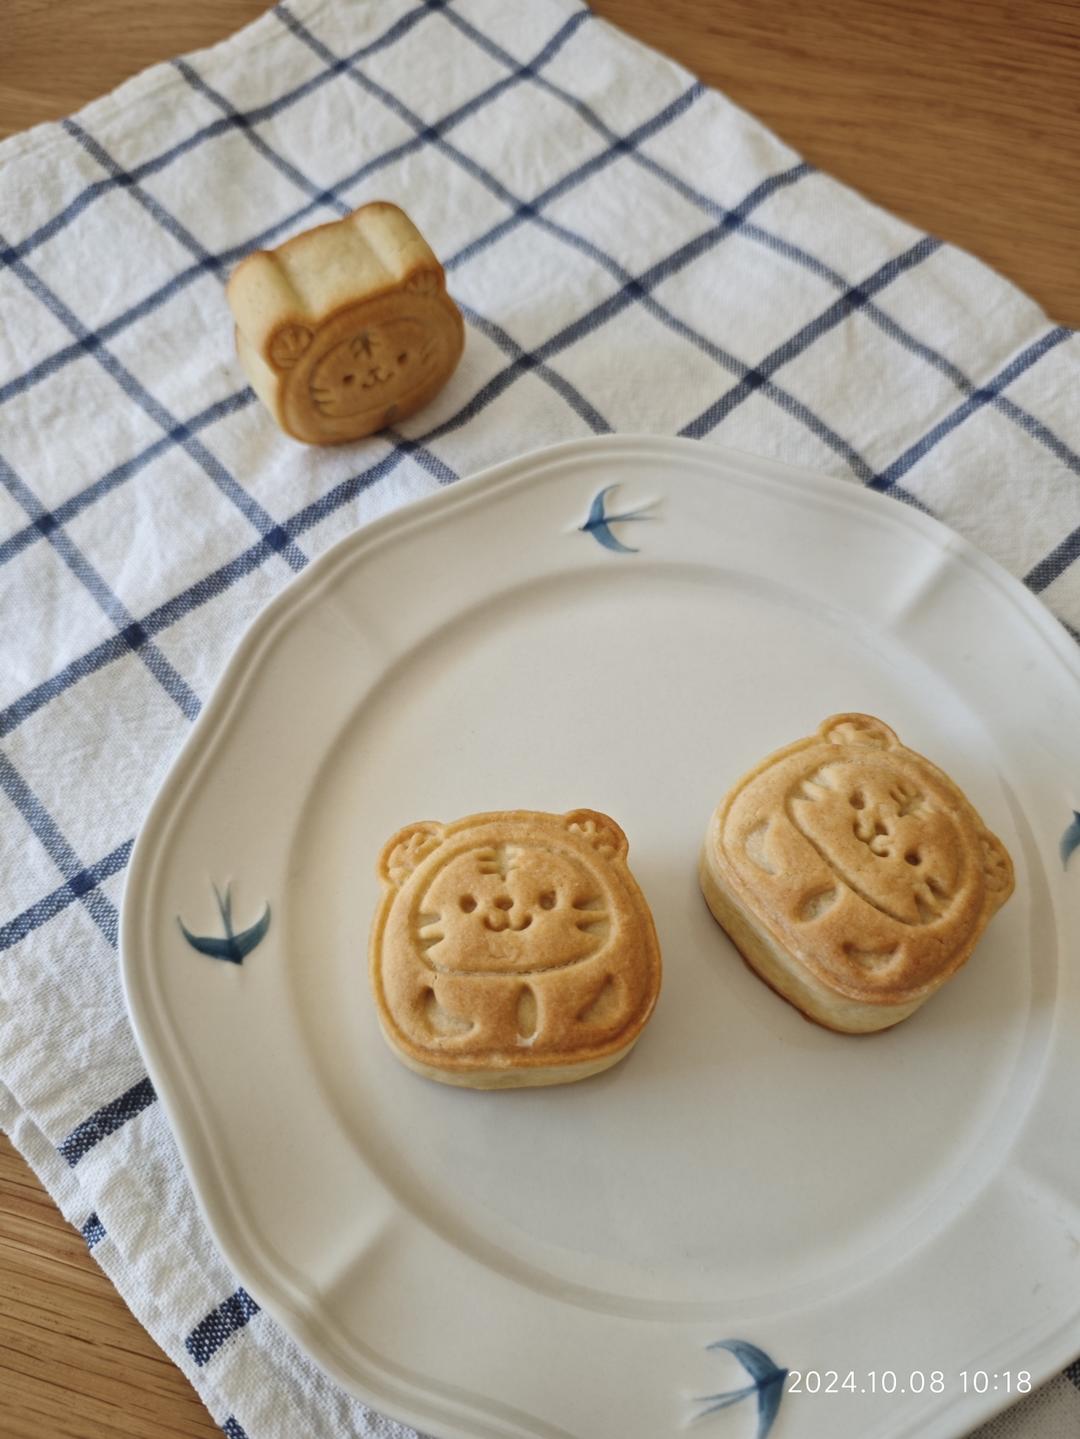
column 768, row 1384
column 229, row 946
column 1070, row 840
column 599, row 523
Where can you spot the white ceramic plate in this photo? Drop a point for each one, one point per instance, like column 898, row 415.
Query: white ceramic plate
column 556, row 1264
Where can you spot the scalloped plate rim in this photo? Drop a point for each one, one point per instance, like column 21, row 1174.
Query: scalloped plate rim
column 1052, row 1352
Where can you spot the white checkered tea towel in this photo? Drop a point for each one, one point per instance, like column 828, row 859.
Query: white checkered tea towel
column 630, row 252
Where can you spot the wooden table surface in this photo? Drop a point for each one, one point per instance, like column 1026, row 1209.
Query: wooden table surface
column 962, row 116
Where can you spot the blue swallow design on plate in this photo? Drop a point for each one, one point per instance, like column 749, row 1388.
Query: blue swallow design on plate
column 1070, row 840
column 229, row 946
column 599, row 523
column 768, row 1384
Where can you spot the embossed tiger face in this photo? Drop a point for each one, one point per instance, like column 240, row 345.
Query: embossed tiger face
column 851, row 824
column 368, row 365
column 511, row 948
column 347, row 327
column 377, row 365
column 884, row 835
column 511, row 909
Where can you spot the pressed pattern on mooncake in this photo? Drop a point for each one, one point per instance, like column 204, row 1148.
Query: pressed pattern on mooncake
column 852, row 874
column 512, row 948
column 347, row 328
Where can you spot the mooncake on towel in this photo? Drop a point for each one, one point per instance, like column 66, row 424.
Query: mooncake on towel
column 346, row 328
column 852, row 874
column 512, row 949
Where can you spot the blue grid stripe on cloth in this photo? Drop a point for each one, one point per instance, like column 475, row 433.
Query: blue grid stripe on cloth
column 796, row 253
column 619, row 145
column 47, row 367
column 522, row 363
column 470, row 107
column 429, row 134
column 93, row 1231
column 141, row 196
column 80, row 883
column 205, row 261
column 1054, row 566
column 206, row 588
column 852, row 299
column 638, row 289
column 975, row 401
column 966, row 386
column 232, row 1428
column 51, row 838
column 131, row 632
column 93, row 345
column 107, row 1120
column 63, row 513
column 1033, row 427
column 439, row 470
column 632, row 289
column 529, row 210
column 562, row 386
column 220, row 1324
column 254, row 116
column 116, row 647
column 286, row 168
column 336, row 65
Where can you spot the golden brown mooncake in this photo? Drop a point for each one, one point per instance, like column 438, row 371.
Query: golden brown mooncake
column 512, row 948
column 346, row 328
column 852, row 874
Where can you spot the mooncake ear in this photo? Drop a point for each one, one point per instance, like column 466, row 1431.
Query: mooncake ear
column 403, row 852
column 997, row 866
column 287, row 344
column 863, row 731
column 424, row 282
column 602, row 833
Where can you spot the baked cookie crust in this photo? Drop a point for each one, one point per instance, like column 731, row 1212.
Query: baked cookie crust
column 852, row 874
column 512, row 949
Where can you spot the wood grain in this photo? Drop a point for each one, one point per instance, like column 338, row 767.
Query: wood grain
column 962, row 116
column 56, row 57
column 74, row 1364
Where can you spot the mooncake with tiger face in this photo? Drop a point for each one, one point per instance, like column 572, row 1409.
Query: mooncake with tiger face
column 852, row 874
column 512, row 949
column 347, row 328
